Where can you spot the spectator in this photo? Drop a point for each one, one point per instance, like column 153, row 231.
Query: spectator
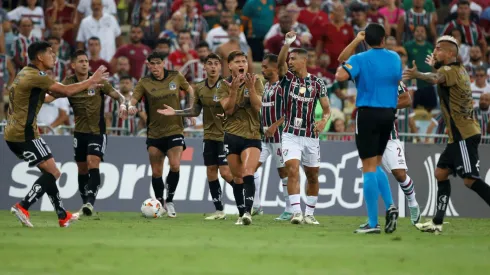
column 122, row 68
column 374, row 16
column 8, row 37
column 482, row 115
column 193, row 70
column 302, row 32
column 359, row 23
column 338, row 126
column 33, row 12
column 480, row 86
column 126, row 86
column 314, row 69
column 231, row 5
column 102, row 25
column 417, row 51
column 211, row 11
column 428, row 5
column 476, row 60
column 219, row 35
column 59, row 70
column 464, row 50
column 163, row 46
column 392, row 13
column 22, row 42
column 149, row 22
column 174, row 26
column 234, row 44
column 160, row 8
column 185, row 52
column 260, row 15
column 315, row 19
column 414, row 17
column 94, row 49
column 7, row 73
column 275, row 43
column 474, row 7
column 65, row 48
column 473, row 35
column 85, row 8
column 338, row 34
column 194, row 22
column 66, row 15
column 390, row 43
column 135, row 51
column 54, row 114
column 177, row 5
column 439, row 125
column 4, row 18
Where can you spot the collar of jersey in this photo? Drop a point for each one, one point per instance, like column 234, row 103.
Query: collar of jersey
column 76, row 79
column 33, row 66
column 165, row 74
column 454, row 63
column 206, row 82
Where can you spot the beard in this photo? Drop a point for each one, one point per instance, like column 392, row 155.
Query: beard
column 438, row 65
column 472, row 59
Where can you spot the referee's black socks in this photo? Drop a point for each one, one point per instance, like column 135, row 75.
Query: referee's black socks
column 172, row 181
column 482, row 189
column 443, row 194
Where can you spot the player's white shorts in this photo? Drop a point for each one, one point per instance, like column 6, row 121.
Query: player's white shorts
column 274, row 150
column 305, row 149
column 394, row 156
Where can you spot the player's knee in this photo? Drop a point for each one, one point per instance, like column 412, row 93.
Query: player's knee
column 226, row 173
column 156, row 171
column 93, row 162
column 292, row 170
column 400, row 175
column 174, row 165
column 238, row 180
column 212, row 172
column 468, row 182
column 441, row 174
column 82, row 168
column 312, row 177
column 56, row 173
column 248, row 171
column 283, row 173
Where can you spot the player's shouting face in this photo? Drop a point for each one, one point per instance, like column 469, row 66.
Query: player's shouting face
column 238, row 66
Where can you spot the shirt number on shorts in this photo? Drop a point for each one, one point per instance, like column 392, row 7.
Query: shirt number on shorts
column 279, row 153
column 75, row 142
column 226, row 149
column 399, row 151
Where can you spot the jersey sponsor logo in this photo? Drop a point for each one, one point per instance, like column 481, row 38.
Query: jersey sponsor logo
column 172, row 86
column 268, row 104
column 300, row 98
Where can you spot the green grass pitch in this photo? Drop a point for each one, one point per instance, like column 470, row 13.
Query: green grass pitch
column 126, row 243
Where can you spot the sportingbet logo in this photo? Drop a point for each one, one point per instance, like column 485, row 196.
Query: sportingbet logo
column 431, row 205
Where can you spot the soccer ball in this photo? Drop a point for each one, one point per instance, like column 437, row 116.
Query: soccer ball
column 152, row 209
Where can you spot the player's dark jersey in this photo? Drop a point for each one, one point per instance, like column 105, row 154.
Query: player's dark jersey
column 272, row 109
column 457, row 103
column 300, row 98
column 88, row 107
column 207, row 97
column 157, row 93
column 245, row 121
column 26, row 96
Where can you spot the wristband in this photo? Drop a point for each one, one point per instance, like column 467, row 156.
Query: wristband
column 290, row 40
column 123, row 106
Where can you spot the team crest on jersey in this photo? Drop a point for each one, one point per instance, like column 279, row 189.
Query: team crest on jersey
column 218, row 84
column 91, row 92
column 41, row 73
column 172, row 86
column 245, row 93
column 302, row 90
column 285, row 152
column 215, row 98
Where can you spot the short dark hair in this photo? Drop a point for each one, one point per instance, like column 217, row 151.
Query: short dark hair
column 78, row 53
column 184, row 31
column 54, row 38
column 36, row 48
column 212, row 56
column 271, row 57
column 94, row 38
column 299, row 51
column 125, row 77
column 420, row 26
column 463, row 2
column 156, row 55
column 202, row 44
column 356, row 7
column 136, row 26
column 164, row 41
column 235, row 54
column 375, row 34
column 481, row 69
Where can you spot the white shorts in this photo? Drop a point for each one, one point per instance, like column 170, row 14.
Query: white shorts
column 305, row 149
column 394, row 156
column 274, row 150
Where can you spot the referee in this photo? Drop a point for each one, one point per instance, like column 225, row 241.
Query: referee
column 376, row 73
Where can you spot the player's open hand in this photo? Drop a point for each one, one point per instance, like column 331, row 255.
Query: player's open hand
column 166, row 111
column 191, row 122
column 429, row 60
column 320, row 126
column 123, row 112
column 235, row 83
column 99, row 76
column 250, row 81
column 410, row 73
column 270, row 131
column 361, row 36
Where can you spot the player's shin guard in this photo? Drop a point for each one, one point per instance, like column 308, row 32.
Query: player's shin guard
column 285, row 194
column 239, row 198
column 37, row 191
column 93, row 185
column 384, row 187
column 443, row 194
column 482, row 189
column 257, row 190
column 249, row 186
column 82, row 186
column 158, row 187
column 371, row 194
column 215, row 190
column 172, row 181
column 54, row 195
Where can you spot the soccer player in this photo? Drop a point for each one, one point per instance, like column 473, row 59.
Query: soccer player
column 376, row 73
column 26, row 96
column 241, row 99
column 213, row 152
column 272, row 121
column 300, row 141
column 89, row 138
column 165, row 134
column 461, row 154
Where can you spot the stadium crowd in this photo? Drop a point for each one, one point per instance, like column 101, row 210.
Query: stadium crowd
column 121, row 33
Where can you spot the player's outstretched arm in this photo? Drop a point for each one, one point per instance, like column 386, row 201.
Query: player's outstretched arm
column 351, row 48
column 68, row 90
column 189, row 112
column 434, row 78
column 255, row 98
column 123, row 109
column 283, row 54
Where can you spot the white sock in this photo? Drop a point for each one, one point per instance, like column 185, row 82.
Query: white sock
column 257, row 190
column 409, row 190
column 310, row 205
column 286, row 196
column 295, row 203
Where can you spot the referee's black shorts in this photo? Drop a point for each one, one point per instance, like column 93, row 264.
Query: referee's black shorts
column 373, row 127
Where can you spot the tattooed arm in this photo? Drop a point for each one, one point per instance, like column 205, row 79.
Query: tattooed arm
column 189, row 112
column 433, row 78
